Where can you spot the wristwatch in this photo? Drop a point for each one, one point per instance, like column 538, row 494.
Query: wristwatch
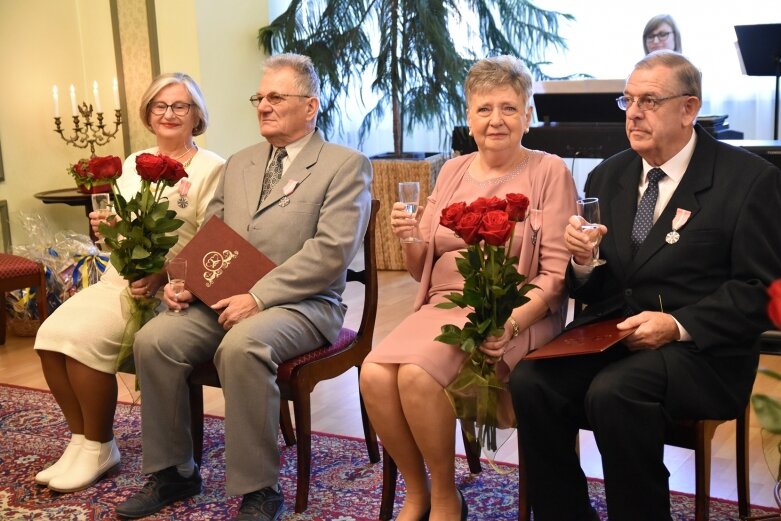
column 516, row 329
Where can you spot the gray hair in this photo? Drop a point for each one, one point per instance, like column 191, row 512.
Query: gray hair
column 688, row 76
column 306, row 77
column 172, row 78
column 654, row 23
column 499, row 71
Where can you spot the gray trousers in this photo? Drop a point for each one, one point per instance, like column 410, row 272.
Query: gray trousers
column 168, row 347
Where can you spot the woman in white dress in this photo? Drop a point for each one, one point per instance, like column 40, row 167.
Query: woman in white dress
column 79, row 343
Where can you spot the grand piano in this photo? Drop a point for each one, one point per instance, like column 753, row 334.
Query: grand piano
column 580, row 119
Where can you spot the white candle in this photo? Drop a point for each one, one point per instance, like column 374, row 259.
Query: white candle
column 56, row 96
column 116, row 94
column 73, row 101
column 97, row 96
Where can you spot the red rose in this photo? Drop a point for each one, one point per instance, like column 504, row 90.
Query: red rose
column 150, row 167
column 174, row 172
column 496, row 227
column 106, row 167
column 774, row 306
column 494, row 203
column 452, row 214
column 468, row 227
column 479, row 205
column 516, row 206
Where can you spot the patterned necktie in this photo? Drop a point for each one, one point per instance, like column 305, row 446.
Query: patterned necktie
column 273, row 173
column 644, row 218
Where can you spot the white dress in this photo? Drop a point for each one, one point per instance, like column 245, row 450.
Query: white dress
column 88, row 326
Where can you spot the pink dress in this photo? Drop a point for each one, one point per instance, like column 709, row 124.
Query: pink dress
column 548, row 184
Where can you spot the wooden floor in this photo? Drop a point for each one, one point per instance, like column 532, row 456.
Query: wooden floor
column 335, row 403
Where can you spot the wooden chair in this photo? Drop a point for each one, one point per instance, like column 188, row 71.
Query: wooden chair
column 17, row 273
column 297, row 378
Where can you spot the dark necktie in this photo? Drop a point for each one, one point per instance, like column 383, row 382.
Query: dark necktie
column 273, row 173
column 644, row 218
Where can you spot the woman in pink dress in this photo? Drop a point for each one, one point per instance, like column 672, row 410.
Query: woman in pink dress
column 403, row 378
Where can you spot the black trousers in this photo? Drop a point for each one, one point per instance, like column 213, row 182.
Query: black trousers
column 628, row 399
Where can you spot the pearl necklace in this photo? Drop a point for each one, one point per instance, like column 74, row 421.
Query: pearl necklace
column 180, row 156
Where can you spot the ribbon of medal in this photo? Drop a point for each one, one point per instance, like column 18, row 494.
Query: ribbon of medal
column 681, row 216
column 184, row 187
column 289, row 188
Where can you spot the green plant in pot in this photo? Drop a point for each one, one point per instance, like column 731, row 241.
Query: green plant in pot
column 407, row 46
column 768, row 408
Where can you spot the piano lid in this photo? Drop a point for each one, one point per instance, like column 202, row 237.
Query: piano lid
column 579, row 101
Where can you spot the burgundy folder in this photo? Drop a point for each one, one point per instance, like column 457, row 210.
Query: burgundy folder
column 222, row 263
column 583, row 340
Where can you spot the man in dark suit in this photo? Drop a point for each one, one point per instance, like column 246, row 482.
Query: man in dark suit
column 304, row 203
column 691, row 242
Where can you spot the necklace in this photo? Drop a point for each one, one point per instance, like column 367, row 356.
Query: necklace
column 180, row 156
column 503, row 179
column 187, row 163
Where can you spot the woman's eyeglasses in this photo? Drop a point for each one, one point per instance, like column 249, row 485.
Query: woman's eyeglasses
column 661, row 36
column 179, row 108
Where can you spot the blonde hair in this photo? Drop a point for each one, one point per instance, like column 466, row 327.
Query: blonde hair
column 173, row 78
column 498, row 71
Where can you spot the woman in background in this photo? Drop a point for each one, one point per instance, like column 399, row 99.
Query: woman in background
column 78, row 344
column 661, row 33
column 403, row 378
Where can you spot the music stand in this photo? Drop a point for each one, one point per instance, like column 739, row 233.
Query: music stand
column 760, row 52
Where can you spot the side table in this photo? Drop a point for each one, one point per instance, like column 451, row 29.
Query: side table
column 71, row 197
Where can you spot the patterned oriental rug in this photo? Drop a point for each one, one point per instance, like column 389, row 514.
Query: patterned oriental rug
column 345, row 487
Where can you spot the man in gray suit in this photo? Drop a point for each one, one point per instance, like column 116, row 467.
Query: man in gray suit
column 305, row 204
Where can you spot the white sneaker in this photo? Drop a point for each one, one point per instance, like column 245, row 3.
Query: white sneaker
column 62, row 464
column 92, row 462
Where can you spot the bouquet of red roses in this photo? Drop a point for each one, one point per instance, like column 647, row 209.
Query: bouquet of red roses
column 141, row 237
column 493, row 288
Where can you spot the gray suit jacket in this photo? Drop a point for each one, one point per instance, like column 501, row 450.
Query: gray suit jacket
column 314, row 237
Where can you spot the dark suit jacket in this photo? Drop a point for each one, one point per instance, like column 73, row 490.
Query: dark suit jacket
column 714, row 279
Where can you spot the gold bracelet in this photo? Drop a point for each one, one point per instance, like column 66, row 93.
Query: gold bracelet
column 516, row 329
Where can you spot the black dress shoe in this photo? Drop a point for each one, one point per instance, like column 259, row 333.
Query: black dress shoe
column 163, row 488
column 262, row 505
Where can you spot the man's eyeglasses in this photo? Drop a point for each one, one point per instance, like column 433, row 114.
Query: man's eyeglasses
column 179, row 108
column 661, row 36
column 644, row 102
column 273, row 98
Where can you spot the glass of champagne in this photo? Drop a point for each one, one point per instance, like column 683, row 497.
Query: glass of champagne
column 101, row 203
column 177, row 273
column 409, row 195
column 588, row 210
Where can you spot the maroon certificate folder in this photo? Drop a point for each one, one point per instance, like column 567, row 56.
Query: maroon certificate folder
column 221, row 263
column 583, row 340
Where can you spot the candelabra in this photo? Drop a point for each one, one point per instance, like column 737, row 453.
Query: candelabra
column 90, row 134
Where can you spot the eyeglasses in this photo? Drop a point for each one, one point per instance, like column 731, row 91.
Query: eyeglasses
column 273, row 98
column 661, row 36
column 644, row 102
column 179, row 108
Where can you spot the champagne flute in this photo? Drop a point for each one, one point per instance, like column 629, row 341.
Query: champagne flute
column 588, row 209
column 177, row 273
column 409, row 195
column 101, row 203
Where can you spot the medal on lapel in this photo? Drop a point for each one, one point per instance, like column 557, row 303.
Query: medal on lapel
column 184, row 187
column 289, row 188
column 681, row 216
